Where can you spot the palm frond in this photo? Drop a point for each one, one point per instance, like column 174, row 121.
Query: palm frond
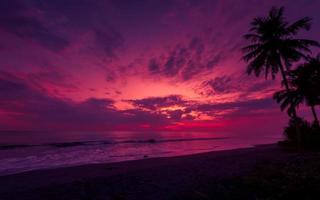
column 307, row 42
column 252, row 37
column 257, row 64
column 272, row 42
column 251, row 55
column 288, row 100
column 276, row 12
column 304, row 23
column 251, row 47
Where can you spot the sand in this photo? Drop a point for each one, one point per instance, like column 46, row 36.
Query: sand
column 153, row 178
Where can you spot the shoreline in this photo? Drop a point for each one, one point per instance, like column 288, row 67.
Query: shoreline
column 172, row 174
column 222, row 174
column 145, row 157
column 37, row 164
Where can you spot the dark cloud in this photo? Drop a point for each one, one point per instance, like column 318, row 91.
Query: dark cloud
column 236, row 83
column 249, row 105
column 162, row 105
column 40, row 110
column 76, row 13
column 176, row 115
column 214, row 61
column 243, row 108
column 14, row 18
column 11, row 88
column 138, row 14
column 99, row 103
column 111, row 76
column 255, row 87
column 222, row 84
column 153, row 66
column 197, row 45
column 237, row 108
column 184, row 61
column 52, row 77
column 153, row 103
column 24, row 102
column 110, row 41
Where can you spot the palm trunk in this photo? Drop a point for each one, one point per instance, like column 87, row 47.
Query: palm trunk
column 286, row 84
column 294, row 112
column 285, row 80
column 315, row 114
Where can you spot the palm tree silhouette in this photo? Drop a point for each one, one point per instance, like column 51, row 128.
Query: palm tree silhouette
column 304, row 84
column 288, row 99
column 274, row 46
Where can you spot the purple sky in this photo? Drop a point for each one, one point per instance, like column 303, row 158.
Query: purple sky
column 136, row 65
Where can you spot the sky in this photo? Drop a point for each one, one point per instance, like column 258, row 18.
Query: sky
column 170, row 65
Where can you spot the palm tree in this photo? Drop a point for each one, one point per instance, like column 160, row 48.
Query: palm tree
column 306, row 78
column 288, row 99
column 304, row 84
column 274, row 46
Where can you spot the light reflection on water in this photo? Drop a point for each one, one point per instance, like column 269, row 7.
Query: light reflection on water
column 57, row 149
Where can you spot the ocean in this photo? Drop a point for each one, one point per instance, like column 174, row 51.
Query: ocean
column 22, row 151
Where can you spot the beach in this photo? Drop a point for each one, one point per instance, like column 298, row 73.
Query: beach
column 154, row 178
column 19, row 154
column 159, row 100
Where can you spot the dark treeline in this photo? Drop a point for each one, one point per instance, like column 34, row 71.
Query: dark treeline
column 274, row 46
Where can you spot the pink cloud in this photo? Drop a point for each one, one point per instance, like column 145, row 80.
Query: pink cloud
column 119, row 63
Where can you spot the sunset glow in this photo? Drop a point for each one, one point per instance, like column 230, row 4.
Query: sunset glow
column 133, row 65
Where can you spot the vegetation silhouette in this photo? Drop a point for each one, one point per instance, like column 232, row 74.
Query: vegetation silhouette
column 304, row 84
column 274, row 46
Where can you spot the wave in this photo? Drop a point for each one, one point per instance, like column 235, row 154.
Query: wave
column 14, row 146
column 103, row 142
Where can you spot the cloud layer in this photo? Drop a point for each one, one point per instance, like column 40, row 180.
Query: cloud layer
column 135, row 65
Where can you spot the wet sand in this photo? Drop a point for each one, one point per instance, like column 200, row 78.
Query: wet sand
column 152, row 178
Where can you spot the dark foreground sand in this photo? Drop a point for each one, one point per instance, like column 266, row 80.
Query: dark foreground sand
column 154, row 178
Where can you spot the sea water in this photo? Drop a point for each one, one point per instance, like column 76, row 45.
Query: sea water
column 22, row 151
